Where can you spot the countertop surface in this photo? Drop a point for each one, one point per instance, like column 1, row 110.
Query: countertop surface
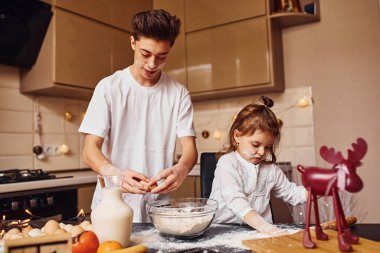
column 63, row 179
column 68, row 178
column 220, row 238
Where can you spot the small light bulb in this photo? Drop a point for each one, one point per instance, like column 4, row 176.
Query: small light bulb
column 217, row 135
column 68, row 115
column 303, row 102
column 64, row 149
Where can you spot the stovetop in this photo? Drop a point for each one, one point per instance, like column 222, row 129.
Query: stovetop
column 23, row 175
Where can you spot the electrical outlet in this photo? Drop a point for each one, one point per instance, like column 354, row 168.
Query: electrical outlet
column 51, row 149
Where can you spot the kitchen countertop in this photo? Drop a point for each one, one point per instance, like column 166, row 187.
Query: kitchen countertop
column 215, row 233
column 78, row 178
column 74, row 177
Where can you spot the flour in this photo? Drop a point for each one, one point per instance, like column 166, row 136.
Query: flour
column 182, row 226
column 232, row 239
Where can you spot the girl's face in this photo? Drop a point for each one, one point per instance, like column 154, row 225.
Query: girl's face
column 254, row 148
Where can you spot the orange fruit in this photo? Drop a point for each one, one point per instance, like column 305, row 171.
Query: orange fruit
column 108, row 246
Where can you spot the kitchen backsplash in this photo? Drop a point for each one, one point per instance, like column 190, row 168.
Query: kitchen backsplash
column 17, row 135
column 17, row 117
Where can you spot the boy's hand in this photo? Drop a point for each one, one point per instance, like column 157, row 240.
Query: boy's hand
column 131, row 182
column 173, row 178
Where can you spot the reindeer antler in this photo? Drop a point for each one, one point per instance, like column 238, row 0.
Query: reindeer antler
column 329, row 155
column 358, row 152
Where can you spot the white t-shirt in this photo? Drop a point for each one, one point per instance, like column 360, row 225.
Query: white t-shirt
column 140, row 126
column 240, row 187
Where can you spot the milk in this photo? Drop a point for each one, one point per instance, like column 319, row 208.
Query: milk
column 112, row 218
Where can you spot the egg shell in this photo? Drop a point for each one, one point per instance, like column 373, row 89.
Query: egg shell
column 51, row 226
column 7, row 236
column 13, row 231
column 26, row 230
column 16, row 236
column 59, row 231
column 85, row 224
column 76, row 230
column 89, row 228
column 68, row 228
column 34, row 232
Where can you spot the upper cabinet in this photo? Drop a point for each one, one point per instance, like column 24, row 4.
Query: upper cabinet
column 117, row 13
column 80, row 48
column 201, row 14
column 230, row 57
column 235, row 47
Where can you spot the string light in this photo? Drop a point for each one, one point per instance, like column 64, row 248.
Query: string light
column 303, row 102
column 217, row 135
column 68, row 116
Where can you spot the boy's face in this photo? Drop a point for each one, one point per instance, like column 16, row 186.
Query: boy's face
column 149, row 58
column 254, row 148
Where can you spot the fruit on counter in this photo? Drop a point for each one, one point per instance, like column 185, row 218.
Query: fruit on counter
column 86, row 242
column 134, row 249
column 108, row 246
column 51, row 226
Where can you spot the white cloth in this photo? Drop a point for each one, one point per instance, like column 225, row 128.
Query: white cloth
column 140, row 125
column 240, row 187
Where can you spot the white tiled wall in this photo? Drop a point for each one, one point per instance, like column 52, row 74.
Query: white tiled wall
column 17, row 136
column 297, row 144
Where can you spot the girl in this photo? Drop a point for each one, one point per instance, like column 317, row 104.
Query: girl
column 246, row 173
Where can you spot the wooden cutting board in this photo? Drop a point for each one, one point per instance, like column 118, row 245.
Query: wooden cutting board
column 293, row 243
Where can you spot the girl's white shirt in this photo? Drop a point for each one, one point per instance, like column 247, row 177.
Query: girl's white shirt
column 140, row 126
column 240, row 187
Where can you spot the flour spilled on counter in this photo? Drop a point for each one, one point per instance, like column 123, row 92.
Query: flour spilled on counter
column 154, row 240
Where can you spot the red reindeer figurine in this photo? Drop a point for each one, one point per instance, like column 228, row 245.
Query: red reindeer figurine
column 319, row 181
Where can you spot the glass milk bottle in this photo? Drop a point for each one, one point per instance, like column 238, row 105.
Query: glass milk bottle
column 112, row 218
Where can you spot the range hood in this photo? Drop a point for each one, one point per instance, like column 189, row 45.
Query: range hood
column 23, row 25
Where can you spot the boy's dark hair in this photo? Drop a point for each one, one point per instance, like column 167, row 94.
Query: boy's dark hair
column 156, row 24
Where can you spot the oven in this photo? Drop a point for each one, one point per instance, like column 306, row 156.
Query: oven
column 57, row 202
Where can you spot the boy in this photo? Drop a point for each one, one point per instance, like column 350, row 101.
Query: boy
column 135, row 115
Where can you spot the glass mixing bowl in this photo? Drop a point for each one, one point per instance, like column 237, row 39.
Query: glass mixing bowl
column 182, row 217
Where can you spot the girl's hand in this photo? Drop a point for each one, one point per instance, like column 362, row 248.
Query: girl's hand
column 257, row 222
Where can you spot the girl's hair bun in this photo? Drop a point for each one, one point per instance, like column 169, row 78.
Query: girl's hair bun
column 268, row 103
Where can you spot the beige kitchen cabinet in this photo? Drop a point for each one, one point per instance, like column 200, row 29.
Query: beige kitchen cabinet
column 76, row 54
column 95, row 9
column 234, row 48
column 228, row 57
column 122, row 11
column 190, row 188
column 176, row 64
column 85, row 194
column 201, row 14
column 83, row 50
column 122, row 53
column 117, row 13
